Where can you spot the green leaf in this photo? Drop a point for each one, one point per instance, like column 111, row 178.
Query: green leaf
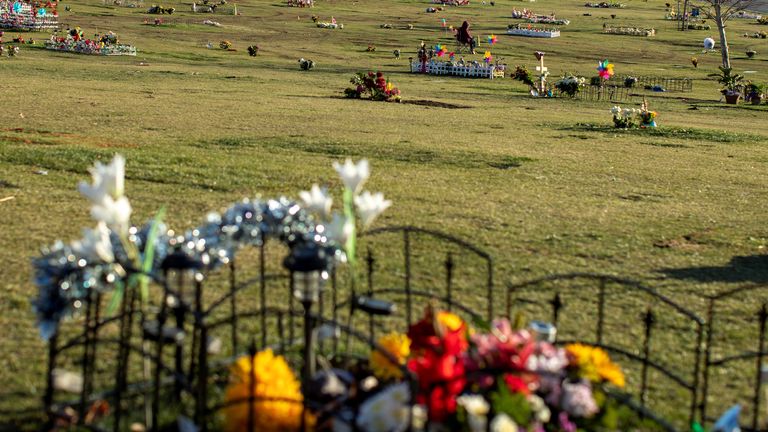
column 515, row 405
column 696, row 427
column 349, row 213
column 149, row 254
column 117, row 296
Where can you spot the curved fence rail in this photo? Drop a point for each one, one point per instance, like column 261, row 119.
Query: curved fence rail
column 170, row 353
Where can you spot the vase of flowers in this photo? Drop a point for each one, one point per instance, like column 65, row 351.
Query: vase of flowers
column 570, row 85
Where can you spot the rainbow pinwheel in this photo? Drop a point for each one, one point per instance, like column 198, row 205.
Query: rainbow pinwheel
column 487, row 57
column 492, row 39
column 440, row 50
column 605, row 69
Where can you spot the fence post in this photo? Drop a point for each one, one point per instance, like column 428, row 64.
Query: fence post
column 407, row 247
column 233, row 303
column 762, row 316
column 449, row 280
column 600, row 311
column 557, row 304
column 648, row 320
column 707, row 358
column 370, row 260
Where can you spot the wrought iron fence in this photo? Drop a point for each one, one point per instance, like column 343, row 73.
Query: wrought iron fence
column 170, row 354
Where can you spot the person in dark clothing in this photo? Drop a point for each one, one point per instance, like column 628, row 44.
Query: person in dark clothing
column 465, row 37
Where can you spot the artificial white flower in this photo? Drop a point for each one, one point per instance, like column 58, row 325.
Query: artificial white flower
column 388, row 411
column 477, row 410
column 317, row 200
column 95, row 244
column 339, row 229
column 107, row 180
column 115, row 213
column 616, row 109
column 353, row 175
column 503, row 423
column 369, row 206
column 540, row 409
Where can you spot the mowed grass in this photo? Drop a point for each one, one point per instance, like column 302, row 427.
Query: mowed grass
column 544, row 185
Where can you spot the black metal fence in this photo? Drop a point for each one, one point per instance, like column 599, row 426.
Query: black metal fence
column 595, row 93
column 167, row 357
column 643, row 82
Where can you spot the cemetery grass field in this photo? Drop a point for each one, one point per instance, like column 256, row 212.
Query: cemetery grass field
column 544, row 185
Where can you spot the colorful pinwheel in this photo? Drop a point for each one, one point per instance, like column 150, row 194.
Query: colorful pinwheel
column 605, row 69
column 440, row 50
column 487, row 57
column 492, row 39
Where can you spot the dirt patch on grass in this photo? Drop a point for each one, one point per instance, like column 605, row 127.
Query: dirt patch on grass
column 435, row 104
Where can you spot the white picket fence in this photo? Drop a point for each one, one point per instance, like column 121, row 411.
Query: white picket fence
column 467, row 71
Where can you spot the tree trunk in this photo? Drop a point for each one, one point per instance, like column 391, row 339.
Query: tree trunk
column 723, row 40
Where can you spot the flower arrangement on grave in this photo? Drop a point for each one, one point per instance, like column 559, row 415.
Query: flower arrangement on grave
column 570, row 85
column 253, row 50
column 763, row 20
column 371, row 48
column 373, row 86
column 225, row 44
column 630, row 81
column 500, row 378
column 627, row 118
column 330, row 25
column 523, row 75
column 101, row 44
column 159, row 9
column 751, row 53
column 306, row 64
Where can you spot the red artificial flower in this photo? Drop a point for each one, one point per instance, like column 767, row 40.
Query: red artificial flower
column 517, row 384
column 439, row 344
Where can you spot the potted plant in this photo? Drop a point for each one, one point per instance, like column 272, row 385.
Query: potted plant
column 754, row 93
column 731, row 84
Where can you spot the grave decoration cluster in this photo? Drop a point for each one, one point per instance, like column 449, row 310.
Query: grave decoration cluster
column 28, row 16
column 301, row 3
column 629, row 30
column 532, row 31
column 544, row 19
column 628, row 118
column 106, row 44
column 451, row 2
column 606, row 5
column 218, row 8
column 461, row 68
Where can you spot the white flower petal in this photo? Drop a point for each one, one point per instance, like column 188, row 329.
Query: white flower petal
column 353, row 175
column 369, row 206
column 317, row 200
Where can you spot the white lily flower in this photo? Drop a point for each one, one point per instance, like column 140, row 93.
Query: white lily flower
column 503, row 423
column 317, row 200
column 477, row 410
column 387, row 411
column 116, row 214
column 107, row 180
column 95, row 244
column 339, row 229
column 369, row 206
column 616, row 109
column 353, row 175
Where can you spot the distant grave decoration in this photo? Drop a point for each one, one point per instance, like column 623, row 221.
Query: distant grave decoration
column 763, row 20
column 124, row 3
column 225, row 45
column 28, row 16
column 544, row 19
column 746, row 15
column 330, row 25
column 628, row 30
column 102, row 44
column 532, row 31
column 605, row 5
column 758, row 35
column 471, row 69
column 301, row 3
column 628, row 118
column 451, row 2
column 522, row 14
column 306, row 64
column 158, row 9
column 253, row 50
column 372, row 86
column 698, row 26
column 570, row 85
column 219, row 8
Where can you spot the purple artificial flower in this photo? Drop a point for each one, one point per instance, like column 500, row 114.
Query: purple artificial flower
column 565, row 423
column 577, row 399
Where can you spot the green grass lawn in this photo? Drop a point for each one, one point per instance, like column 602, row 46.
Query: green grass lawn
column 544, row 185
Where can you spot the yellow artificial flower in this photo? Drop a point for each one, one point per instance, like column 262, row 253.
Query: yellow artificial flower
column 595, row 365
column 397, row 344
column 450, row 321
column 278, row 402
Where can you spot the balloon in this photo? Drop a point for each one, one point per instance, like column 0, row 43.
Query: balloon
column 709, row 43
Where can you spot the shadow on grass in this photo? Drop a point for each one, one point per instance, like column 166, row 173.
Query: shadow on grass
column 694, row 134
column 750, row 268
